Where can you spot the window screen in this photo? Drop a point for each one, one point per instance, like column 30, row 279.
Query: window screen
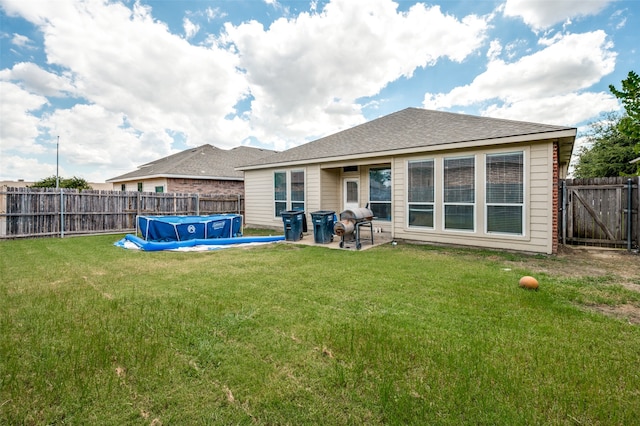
column 421, row 193
column 505, row 192
column 380, row 192
column 459, row 193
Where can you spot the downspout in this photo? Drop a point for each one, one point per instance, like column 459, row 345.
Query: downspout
column 564, row 212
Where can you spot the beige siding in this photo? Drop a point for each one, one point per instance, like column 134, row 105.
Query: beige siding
column 312, row 189
column 538, row 203
column 259, row 202
column 398, row 182
column 148, row 185
column 258, row 192
column 330, row 190
column 324, row 191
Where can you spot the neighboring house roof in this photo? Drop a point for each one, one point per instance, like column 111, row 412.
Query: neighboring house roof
column 203, row 162
column 413, row 130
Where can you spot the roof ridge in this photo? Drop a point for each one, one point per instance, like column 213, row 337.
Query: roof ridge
column 483, row 117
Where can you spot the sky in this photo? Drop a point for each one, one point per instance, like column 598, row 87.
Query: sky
column 96, row 88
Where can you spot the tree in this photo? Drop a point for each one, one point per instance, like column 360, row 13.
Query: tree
column 630, row 97
column 72, row 183
column 610, row 151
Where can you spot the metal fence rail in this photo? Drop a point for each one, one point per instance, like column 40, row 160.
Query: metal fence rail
column 39, row 212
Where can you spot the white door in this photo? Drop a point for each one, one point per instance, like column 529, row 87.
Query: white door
column 351, row 191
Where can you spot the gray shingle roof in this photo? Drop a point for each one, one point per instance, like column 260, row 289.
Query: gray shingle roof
column 203, row 162
column 406, row 129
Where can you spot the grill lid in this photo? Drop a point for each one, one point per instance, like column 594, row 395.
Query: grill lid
column 358, row 213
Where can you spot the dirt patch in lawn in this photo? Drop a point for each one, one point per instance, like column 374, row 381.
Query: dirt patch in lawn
column 627, row 311
column 587, row 262
column 621, row 266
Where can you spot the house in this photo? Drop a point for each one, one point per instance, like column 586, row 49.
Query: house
column 428, row 176
column 205, row 169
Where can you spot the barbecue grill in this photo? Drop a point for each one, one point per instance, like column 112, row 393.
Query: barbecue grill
column 350, row 225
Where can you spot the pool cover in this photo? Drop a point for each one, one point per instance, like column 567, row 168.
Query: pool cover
column 183, row 228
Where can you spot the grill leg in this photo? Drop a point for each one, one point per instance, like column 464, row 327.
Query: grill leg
column 357, row 230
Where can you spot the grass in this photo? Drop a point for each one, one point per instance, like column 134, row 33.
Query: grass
column 285, row 334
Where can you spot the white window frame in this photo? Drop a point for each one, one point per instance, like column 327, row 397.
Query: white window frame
column 435, row 194
column 522, row 205
column 445, row 204
column 390, row 202
column 288, row 191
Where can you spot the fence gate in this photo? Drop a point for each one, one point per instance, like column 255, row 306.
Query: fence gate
column 601, row 212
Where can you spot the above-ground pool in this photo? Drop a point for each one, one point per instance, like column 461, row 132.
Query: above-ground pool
column 190, row 232
column 182, row 228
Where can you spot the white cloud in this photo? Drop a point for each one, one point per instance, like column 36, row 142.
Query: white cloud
column 190, row 29
column 540, row 14
column 38, row 81
column 567, row 109
column 28, row 168
column 85, row 129
column 22, row 41
column 620, row 18
column 19, row 127
column 547, row 78
column 495, row 49
column 137, row 82
column 307, row 73
column 128, row 62
column 214, row 12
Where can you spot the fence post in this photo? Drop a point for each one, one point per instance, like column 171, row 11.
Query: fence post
column 629, row 212
column 61, row 213
column 3, row 210
column 197, row 204
column 637, row 204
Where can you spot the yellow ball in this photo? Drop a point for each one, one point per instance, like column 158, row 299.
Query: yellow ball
column 528, row 283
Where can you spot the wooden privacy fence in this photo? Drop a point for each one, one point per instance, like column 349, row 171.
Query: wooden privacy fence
column 601, row 212
column 36, row 212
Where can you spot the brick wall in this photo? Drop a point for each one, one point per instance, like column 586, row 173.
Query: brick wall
column 206, row 186
column 556, row 197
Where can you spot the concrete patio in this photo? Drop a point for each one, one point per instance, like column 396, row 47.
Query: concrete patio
column 379, row 238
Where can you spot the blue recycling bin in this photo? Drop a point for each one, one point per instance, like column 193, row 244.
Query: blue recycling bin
column 322, row 226
column 293, row 221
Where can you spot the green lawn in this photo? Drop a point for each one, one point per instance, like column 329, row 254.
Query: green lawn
column 288, row 334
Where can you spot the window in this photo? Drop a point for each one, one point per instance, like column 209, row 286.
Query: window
column 123, row 187
column 459, row 193
column 288, row 191
column 421, row 193
column 297, row 190
column 139, row 186
column 280, row 192
column 159, row 188
column 352, row 192
column 380, row 192
column 505, row 193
